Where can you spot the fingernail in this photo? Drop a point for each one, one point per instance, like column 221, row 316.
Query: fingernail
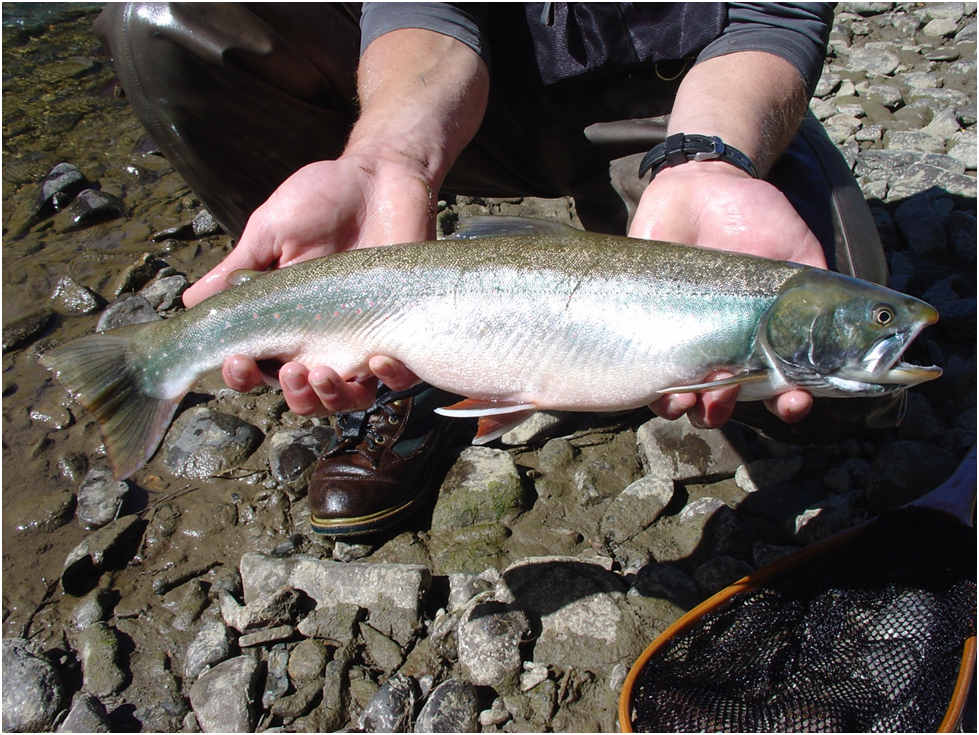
column 238, row 370
column 292, row 381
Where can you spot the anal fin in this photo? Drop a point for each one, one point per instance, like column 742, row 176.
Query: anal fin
column 495, row 417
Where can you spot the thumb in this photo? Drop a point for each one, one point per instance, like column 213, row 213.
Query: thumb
column 216, row 279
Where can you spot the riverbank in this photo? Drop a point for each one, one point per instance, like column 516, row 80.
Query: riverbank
column 194, row 597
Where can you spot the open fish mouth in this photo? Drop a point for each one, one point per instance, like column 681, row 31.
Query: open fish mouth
column 882, row 365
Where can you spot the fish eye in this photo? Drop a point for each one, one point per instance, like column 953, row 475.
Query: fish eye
column 883, row 315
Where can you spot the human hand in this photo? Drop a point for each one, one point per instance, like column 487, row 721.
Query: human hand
column 715, row 205
column 324, row 208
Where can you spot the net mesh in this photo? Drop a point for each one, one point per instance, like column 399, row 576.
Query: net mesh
column 865, row 638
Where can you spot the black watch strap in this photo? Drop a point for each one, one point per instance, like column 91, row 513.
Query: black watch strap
column 680, row 148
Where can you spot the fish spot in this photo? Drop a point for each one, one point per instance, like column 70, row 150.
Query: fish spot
column 275, row 316
column 318, row 317
column 254, row 316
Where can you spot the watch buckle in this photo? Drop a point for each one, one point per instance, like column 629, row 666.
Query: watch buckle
column 716, row 151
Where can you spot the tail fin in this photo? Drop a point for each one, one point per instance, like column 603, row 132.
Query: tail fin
column 101, row 372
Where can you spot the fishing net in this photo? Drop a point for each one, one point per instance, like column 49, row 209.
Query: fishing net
column 866, row 637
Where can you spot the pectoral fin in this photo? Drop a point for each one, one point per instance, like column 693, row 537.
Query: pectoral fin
column 496, row 418
column 753, row 376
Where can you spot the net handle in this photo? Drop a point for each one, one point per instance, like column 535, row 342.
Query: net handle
column 962, row 683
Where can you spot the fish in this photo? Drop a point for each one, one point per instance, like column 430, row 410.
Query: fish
column 514, row 317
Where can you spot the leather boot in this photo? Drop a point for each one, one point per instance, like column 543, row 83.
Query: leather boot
column 376, row 475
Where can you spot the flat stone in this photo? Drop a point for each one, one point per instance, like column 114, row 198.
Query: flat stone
column 265, row 636
column 392, row 593
column 131, row 309
column 677, row 450
column 875, row 58
column 100, row 498
column 481, row 487
column 224, row 698
column 99, row 652
column 72, row 298
column 636, row 508
column 87, row 714
column 210, row 646
column 488, row 639
column 203, row 443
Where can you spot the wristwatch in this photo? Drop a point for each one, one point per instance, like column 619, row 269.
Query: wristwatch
column 680, row 148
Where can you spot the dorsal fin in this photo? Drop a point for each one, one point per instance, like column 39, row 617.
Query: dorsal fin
column 492, row 226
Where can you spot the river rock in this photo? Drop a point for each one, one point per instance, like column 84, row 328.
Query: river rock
column 24, row 330
column 210, row 646
column 60, row 187
column 307, row 660
column 332, row 622
column 391, row 593
column 87, row 714
column 203, row 443
column 291, row 452
column 717, row 573
column 874, row 57
column 92, row 608
column 677, row 450
column 131, row 309
column 32, row 689
column 767, row 473
column 165, row 292
column 279, row 607
column 99, row 652
column 48, row 513
column 71, row 298
column 636, row 508
column 452, row 707
column 204, row 224
column 100, row 498
column 391, row 709
column 90, row 207
column 224, row 697
column 488, row 641
column 385, row 654
column 481, row 487
column 582, row 611
column 110, row 547
column 276, row 673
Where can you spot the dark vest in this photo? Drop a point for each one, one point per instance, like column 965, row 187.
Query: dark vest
column 577, row 39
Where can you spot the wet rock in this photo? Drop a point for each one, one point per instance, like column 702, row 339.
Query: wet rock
column 138, row 275
column 49, row 513
column 32, row 689
column 874, row 57
column 336, row 690
column 72, row 298
column 204, row 224
column 187, row 602
column 452, row 707
column 269, row 610
column 210, row 646
column 331, row 622
column 481, row 487
column 488, row 640
column 132, row 309
column 496, row 715
column 385, row 654
column 581, row 608
column 90, row 207
column 533, row 429
column 164, row 293
column 266, row 636
column 224, row 697
column 62, row 184
column 677, row 450
column 277, row 674
column 92, row 608
column 99, row 652
column 298, row 703
column 767, row 473
column 291, row 452
column 392, row 593
column 833, row 513
column 533, row 674
column 24, row 330
column 635, row 508
column 307, row 660
column 390, row 710
column 110, row 547
column 87, row 714
column 343, row 551
column 100, row 498
column 463, row 587
column 203, row 443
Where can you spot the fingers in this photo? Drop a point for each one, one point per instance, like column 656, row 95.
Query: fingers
column 216, row 279
column 241, row 373
column 392, row 372
column 790, row 407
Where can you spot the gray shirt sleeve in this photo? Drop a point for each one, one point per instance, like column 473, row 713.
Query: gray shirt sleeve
column 797, row 32
column 462, row 21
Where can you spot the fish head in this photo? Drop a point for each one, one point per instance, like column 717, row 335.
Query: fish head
column 840, row 336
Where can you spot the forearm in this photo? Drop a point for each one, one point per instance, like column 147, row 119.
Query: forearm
column 422, row 96
column 751, row 99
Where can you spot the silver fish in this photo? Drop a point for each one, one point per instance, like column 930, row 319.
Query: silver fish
column 549, row 318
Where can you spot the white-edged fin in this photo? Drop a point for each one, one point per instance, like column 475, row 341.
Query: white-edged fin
column 469, row 408
column 493, row 427
column 472, row 228
column 755, row 376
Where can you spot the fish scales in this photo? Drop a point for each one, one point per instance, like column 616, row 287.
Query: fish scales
column 560, row 320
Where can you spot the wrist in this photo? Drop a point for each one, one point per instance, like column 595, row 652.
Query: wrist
column 681, row 148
